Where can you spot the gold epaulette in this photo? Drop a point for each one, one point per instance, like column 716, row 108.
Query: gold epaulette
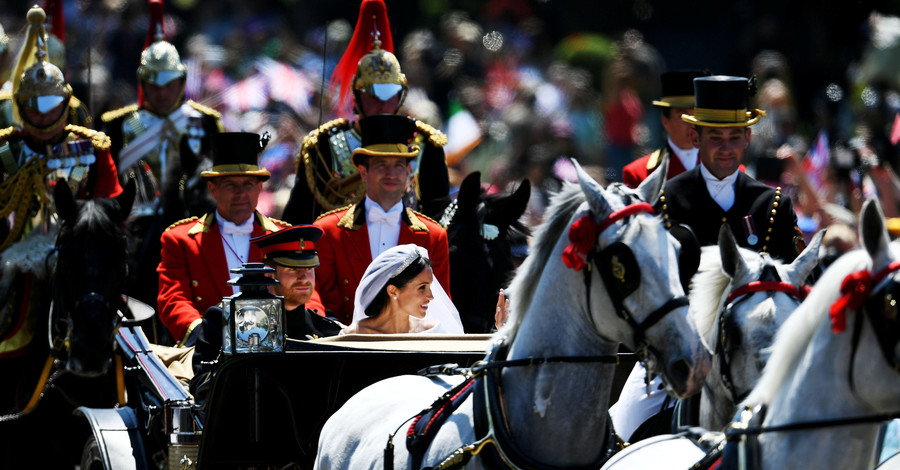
column 332, row 211
column 654, row 160
column 117, row 113
column 205, row 109
column 272, row 225
column 6, row 133
column 415, row 224
column 436, row 137
column 180, row 222
column 98, row 139
column 312, row 139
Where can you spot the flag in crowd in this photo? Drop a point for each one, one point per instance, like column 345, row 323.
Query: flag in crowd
column 816, row 161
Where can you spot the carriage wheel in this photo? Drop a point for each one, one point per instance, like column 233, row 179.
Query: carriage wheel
column 91, row 459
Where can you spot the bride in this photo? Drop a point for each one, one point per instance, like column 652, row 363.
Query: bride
column 399, row 294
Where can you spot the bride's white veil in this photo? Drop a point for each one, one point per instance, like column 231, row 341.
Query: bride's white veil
column 391, row 263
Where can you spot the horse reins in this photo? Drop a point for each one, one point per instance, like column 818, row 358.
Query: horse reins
column 639, row 328
column 734, row 298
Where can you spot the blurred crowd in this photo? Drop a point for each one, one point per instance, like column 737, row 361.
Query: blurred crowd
column 516, row 96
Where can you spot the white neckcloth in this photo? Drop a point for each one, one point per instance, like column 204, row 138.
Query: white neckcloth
column 236, row 243
column 721, row 190
column 687, row 157
column 384, row 227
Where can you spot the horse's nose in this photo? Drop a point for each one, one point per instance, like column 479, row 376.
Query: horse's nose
column 679, row 372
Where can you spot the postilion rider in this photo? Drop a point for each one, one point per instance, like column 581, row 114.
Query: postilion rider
column 327, row 177
column 43, row 152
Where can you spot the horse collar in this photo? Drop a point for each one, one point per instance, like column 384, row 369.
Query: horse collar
column 491, row 423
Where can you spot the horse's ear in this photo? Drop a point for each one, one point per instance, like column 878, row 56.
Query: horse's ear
column 650, row 188
column 596, row 195
column 65, row 202
column 732, row 262
column 873, row 233
column 469, row 194
column 518, row 201
column 126, row 199
column 807, row 259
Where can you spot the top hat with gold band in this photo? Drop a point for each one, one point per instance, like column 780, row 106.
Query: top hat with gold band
column 293, row 247
column 237, row 154
column 721, row 101
column 678, row 88
column 386, row 135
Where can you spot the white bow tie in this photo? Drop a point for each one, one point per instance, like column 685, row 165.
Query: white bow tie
column 377, row 214
column 229, row 228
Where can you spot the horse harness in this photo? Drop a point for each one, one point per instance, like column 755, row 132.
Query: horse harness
column 483, row 385
column 741, row 450
column 621, row 274
column 769, row 281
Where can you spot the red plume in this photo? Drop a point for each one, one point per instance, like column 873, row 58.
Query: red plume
column 54, row 10
column 372, row 15
column 156, row 18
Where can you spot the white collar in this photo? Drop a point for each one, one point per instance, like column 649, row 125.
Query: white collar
column 688, row 157
column 370, row 204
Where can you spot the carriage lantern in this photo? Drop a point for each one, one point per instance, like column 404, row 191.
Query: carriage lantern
column 253, row 317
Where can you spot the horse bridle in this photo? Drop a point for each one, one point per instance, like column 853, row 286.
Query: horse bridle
column 614, row 274
column 748, row 423
column 62, row 312
column 769, row 281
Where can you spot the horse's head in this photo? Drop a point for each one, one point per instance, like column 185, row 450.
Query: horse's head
column 874, row 379
column 89, row 278
column 739, row 299
column 481, row 260
column 637, row 260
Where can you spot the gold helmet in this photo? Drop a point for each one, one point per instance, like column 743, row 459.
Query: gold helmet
column 379, row 75
column 160, row 61
column 41, row 86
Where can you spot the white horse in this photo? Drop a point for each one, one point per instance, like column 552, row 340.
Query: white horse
column 739, row 299
column 568, row 323
column 830, row 381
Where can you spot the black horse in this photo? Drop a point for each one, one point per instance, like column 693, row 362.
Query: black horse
column 481, row 235
column 67, row 362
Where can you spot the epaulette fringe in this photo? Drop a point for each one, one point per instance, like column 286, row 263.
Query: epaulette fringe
column 98, row 139
column 114, row 114
column 181, row 222
column 348, row 206
column 205, row 109
column 436, row 137
column 9, row 131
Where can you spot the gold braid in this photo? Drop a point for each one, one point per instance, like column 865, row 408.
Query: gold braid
column 16, row 195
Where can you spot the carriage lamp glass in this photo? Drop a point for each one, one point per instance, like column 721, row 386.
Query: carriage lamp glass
column 253, row 317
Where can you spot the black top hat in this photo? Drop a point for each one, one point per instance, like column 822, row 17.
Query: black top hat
column 386, row 135
column 293, row 247
column 237, row 153
column 721, row 101
column 678, row 88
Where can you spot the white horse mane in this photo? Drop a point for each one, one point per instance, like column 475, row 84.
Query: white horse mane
column 522, row 288
column 708, row 290
column 798, row 330
column 29, row 255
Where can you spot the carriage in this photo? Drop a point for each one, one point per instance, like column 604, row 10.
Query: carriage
column 262, row 409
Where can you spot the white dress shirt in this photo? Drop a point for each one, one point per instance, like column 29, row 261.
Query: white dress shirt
column 236, row 243
column 384, row 227
column 687, row 157
column 721, row 190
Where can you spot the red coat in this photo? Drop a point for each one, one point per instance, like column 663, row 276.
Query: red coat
column 193, row 273
column 637, row 171
column 344, row 253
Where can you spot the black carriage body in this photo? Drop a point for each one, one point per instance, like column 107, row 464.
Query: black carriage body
column 263, row 410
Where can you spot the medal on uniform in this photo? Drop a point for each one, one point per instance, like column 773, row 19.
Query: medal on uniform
column 195, row 132
column 750, row 230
